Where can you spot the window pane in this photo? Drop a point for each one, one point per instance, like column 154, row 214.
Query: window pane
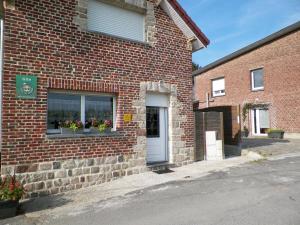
column 152, row 122
column 258, row 78
column 62, row 107
column 99, row 108
column 264, row 121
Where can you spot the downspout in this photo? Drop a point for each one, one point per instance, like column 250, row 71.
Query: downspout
column 1, row 80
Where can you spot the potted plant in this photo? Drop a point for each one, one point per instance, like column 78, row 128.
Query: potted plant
column 245, row 132
column 275, row 133
column 11, row 191
column 71, row 127
column 105, row 126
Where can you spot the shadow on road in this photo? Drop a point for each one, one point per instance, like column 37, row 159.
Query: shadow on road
column 259, row 142
column 41, row 203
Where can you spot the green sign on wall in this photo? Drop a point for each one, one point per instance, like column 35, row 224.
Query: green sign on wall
column 26, row 86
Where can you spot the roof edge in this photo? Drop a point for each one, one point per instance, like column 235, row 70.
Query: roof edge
column 270, row 38
column 191, row 24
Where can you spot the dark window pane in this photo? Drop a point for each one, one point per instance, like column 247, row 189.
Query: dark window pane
column 99, row 108
column 62, row 107
column 258, row 78
column 152, row 122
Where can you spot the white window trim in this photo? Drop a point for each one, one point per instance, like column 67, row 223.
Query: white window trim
column 213, row 91
column 82, row 107
column 257, row 123
column 252, row 81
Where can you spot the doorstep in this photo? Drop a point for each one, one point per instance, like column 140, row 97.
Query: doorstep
column 160, row 166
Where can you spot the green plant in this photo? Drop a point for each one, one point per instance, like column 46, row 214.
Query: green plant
column 249, row 106
column 74, row 125
column 101, row 127
column 11, row 188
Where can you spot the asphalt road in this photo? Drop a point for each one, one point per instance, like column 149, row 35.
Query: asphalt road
column 258, row 193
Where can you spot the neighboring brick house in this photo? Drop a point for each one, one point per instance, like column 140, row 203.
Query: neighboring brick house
column 127, row 62
column 262, row 79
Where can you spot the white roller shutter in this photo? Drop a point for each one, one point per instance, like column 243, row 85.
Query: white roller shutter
column 218, row 87
column 116, row 21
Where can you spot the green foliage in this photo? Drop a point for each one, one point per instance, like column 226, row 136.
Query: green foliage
column 10, row 188
column 249, row 106
column 102, row 127
column 74, row 127
column 195, row 66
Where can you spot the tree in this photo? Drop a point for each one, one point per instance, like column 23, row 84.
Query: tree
column 195, row 66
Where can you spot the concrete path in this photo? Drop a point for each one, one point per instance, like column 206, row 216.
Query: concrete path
column 235, row 191
column 260, row 193
column 71, row 207
column 44, row 209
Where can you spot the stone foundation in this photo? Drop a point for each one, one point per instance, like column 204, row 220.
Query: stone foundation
column 55, row 177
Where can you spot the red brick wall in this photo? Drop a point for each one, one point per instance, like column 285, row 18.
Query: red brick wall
column 41, row 39
column 281, row 65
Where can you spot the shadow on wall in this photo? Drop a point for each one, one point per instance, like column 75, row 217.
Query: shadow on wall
column 259, row 142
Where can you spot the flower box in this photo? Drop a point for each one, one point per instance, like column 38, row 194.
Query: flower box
column 64, row 130
column 273, row 133
column 8, row 208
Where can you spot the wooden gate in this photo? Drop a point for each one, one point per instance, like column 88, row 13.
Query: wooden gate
column 206, row 121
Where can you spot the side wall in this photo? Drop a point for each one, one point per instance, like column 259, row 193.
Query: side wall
column 42, row 38
column 281, row 65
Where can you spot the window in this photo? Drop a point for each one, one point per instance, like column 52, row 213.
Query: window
column 69, row 106
column 109, row 19
column 218, row 87
column 152, row 122
column 257, row 79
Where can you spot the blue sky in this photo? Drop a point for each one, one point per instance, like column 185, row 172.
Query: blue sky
column 233, row 24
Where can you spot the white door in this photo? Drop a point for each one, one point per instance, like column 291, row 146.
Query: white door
column 260, row 121
column 156, row 123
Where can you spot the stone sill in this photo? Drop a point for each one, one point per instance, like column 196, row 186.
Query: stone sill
column 86, row 135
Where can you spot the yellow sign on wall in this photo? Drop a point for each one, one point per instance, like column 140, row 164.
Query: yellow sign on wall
column 127, row 118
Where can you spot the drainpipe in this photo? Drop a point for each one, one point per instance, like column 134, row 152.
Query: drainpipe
column 207, row 100
column 1, row 79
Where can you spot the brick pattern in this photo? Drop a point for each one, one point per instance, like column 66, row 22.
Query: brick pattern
column 280, row 60
column 42, row 39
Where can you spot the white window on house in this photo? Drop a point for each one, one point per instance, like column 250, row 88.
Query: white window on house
column 116, row 21
column 79, row 107
column 257, row 79
column 218, row 87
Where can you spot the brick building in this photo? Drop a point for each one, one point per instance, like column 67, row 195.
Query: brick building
column 123, row 63
column 262, row 80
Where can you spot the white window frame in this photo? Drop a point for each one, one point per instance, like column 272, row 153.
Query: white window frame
column 255, row 113
column 220, row 91
column 82, row 107
column 252, row 80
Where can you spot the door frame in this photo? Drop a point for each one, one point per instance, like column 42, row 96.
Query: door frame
column 256, row 113
column 162, row 102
